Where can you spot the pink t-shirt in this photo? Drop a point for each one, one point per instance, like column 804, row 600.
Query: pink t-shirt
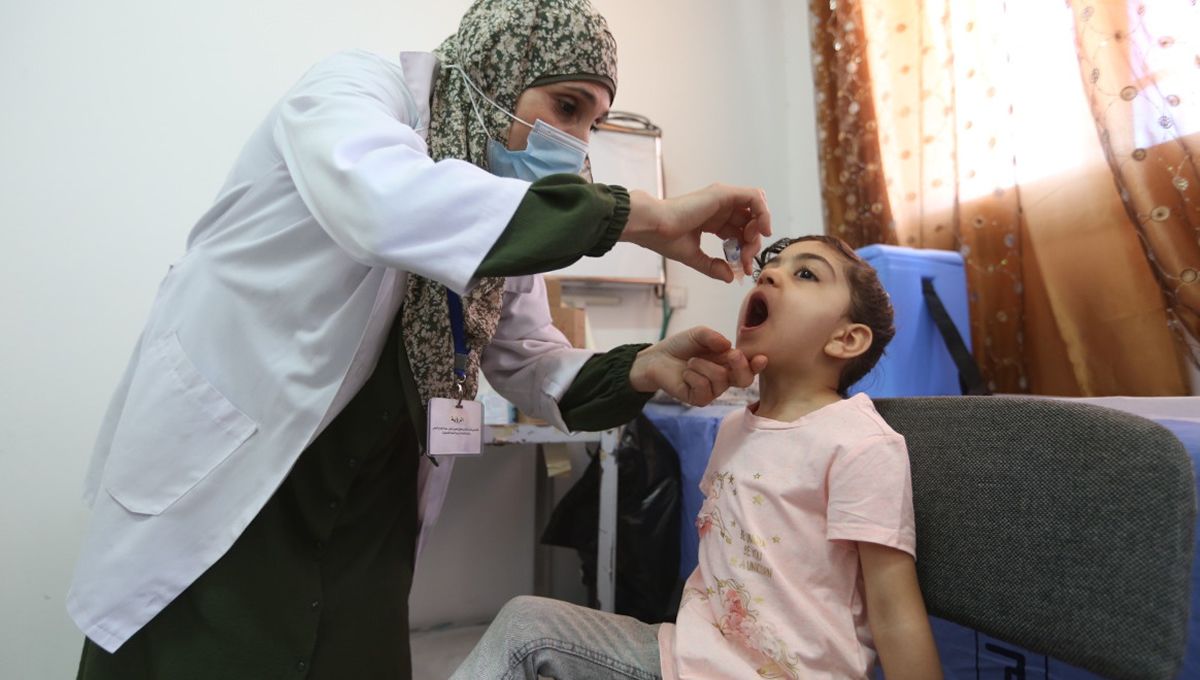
column 778, row 589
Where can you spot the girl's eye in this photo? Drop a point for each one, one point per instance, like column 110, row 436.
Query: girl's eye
column 806, row 273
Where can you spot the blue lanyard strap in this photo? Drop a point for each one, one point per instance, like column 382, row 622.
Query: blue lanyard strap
column 460, row 336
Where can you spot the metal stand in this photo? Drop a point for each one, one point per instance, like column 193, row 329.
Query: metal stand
column 606, row 538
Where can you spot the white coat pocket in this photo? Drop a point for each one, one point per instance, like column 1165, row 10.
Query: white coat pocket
column 175, row 428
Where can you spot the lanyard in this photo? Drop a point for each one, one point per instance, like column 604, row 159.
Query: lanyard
column 460, row 342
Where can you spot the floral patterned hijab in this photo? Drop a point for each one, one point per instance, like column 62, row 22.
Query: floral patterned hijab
column 504, row 47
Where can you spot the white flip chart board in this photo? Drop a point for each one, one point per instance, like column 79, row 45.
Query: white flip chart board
column 626, row 151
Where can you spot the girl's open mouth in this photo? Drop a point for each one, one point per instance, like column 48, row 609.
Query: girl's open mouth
column 756, row 312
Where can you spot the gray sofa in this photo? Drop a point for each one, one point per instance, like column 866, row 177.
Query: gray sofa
column 1064, row 528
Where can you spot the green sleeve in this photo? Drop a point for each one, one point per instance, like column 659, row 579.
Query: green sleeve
column 601, row 396
column 561, row 219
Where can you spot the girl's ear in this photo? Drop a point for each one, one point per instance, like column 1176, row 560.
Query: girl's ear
column 849, row 341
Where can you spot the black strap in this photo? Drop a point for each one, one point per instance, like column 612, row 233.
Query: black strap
column 969, row 377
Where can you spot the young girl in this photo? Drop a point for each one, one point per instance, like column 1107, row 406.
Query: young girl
column 807, row 539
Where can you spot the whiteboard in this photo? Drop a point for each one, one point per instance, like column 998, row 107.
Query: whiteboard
column 630, row 156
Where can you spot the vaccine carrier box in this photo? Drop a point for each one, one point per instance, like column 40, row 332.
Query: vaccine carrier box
column 916, row 362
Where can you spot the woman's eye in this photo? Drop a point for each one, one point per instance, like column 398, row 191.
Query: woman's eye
column 567, row 107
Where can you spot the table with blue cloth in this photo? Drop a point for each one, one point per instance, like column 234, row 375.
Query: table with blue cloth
column 965, row 653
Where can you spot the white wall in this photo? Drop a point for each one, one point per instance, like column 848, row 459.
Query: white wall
column 730, row 83
column 120, row 121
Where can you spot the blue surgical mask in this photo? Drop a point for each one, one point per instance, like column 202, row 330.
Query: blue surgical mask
column 548, row 150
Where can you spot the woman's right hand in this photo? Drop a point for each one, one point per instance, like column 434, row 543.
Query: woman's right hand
column 695, row 366
column 672, row 227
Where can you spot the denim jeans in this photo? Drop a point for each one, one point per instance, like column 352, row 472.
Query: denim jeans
column 535, row 637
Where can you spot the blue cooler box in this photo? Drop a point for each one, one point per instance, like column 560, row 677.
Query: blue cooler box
column 917, row 363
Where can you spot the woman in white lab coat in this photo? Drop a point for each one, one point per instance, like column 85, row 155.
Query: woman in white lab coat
column 258, row 483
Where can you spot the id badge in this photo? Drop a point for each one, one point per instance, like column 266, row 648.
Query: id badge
column 455, row 428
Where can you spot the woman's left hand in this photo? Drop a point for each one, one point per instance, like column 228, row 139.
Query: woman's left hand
column 694, row 366
column 672, row 227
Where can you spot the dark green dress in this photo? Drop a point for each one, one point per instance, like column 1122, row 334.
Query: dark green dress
column 317, row 585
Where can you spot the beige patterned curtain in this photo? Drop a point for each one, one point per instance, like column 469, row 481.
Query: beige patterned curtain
column 1074, row 200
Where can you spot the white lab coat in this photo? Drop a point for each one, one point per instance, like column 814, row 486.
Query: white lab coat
column 275, row 317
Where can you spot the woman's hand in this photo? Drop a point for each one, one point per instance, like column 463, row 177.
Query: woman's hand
column 672, row 227
column 694, row 366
